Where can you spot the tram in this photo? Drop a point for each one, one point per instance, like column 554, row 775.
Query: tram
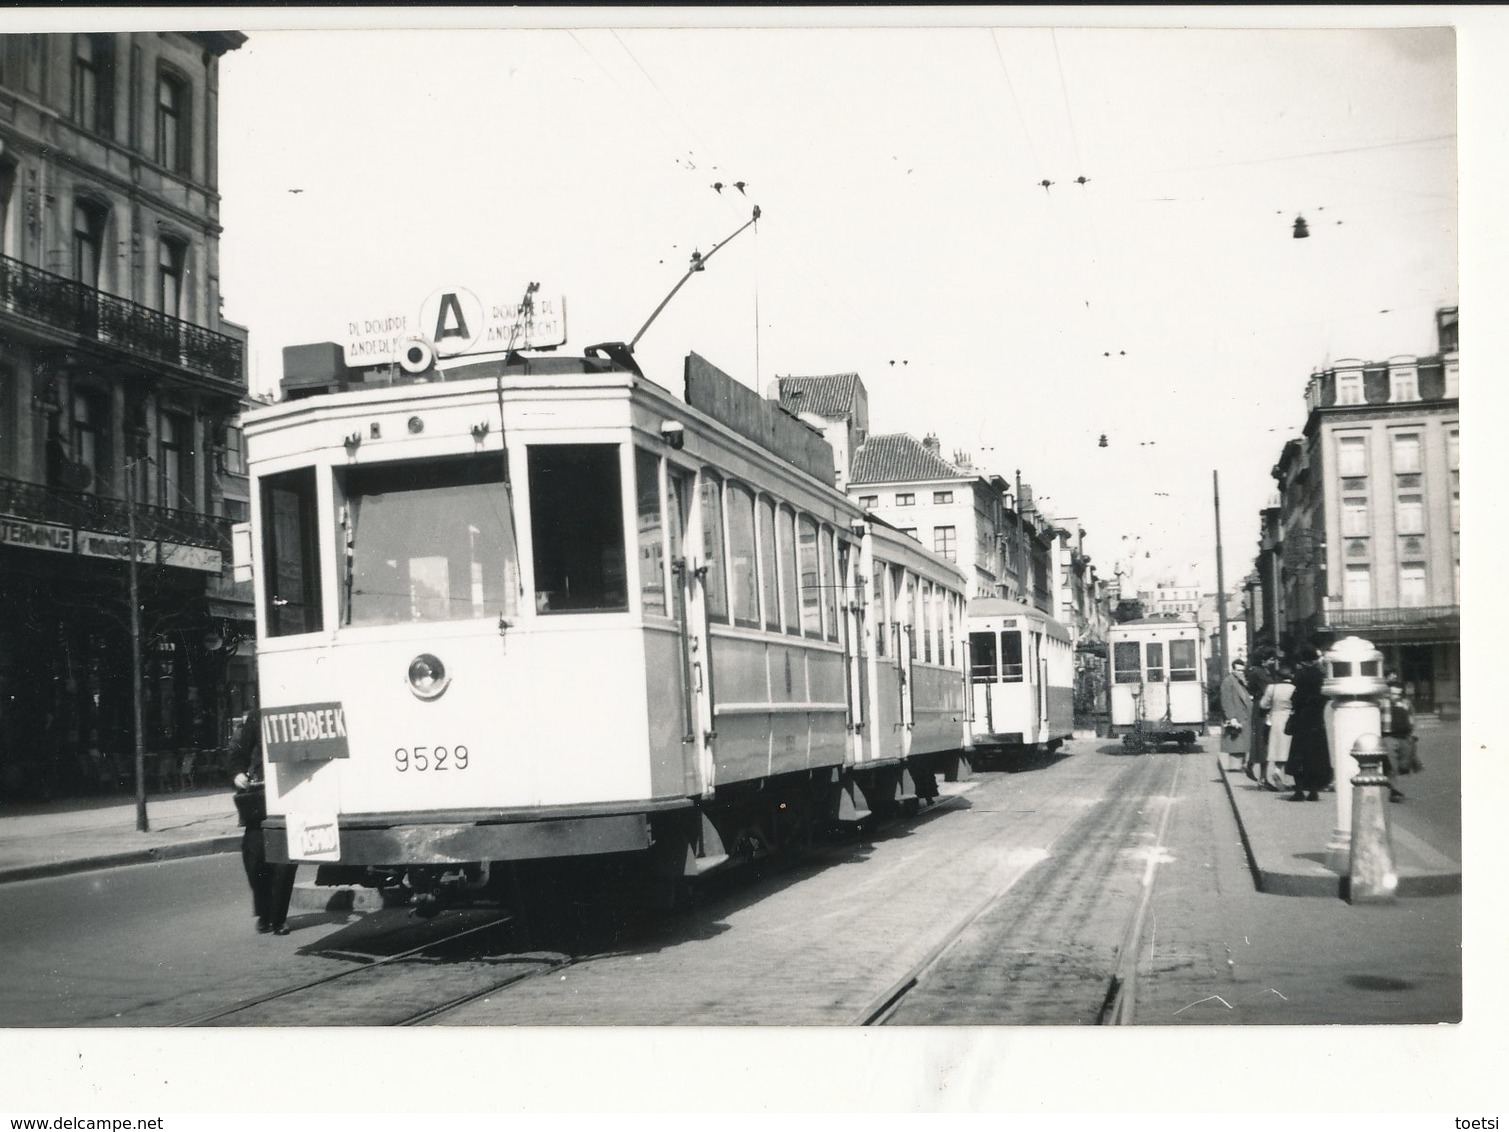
column 1157, row 683
column 538, row 607
column 1021, row 679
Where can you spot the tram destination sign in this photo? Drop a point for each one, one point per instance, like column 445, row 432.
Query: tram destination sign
column 455, row 321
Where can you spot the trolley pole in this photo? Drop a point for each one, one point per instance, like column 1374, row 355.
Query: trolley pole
column 1220, row 651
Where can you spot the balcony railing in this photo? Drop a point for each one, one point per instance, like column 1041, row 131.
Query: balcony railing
column 86, row 511
column 1395, row 617
column 73, row 308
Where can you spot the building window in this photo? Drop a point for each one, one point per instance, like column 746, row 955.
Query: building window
column 1352, row 456
column 1453, row 449
column 1349, row 388
column 236, row 510
column 1404, row 385
column 1409, row 517
column 91, row 439
column 170, row 257
column 1354, row 516
column 35, row 63
column 578, row 565
column 1406, row 453
column 235, row 452
column 88, row 242
column 943, row 497
column 8, row 242
column 175, row 463
column 1456, row 502
column 93, row 82
column 1412, row 583
column 869, row 501
column 1358, row 591
column 172, row 122
column 8, row 414
column 905, row 499
column 1453, row 379
column 944, row 542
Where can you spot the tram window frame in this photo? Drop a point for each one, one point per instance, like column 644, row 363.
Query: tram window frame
column 770, row 579
column 880, row 622
column 1183, row 661
column 298, row 489
column 462, row 567
column 1154, row 665
column 981, row 642
column 828, row 559
column 925, row 606
column 714, row 553
column 809, row 576
column 1122, row 672
column 654, row 591
column 597, row 520
column 901, row 580
column 1013, row 671
column 791, row 618
column 743, row 554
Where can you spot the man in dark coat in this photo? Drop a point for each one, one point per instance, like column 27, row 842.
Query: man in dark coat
column 1236, row 710
column 271, row 884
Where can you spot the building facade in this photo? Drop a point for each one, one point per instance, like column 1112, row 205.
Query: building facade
column 120, row 385
column 1369, row 516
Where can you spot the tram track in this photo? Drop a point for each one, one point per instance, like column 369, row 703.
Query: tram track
column 378, row 988
column 1040, row 960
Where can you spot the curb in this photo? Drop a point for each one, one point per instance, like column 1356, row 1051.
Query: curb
column 170, row 852
column 1441, row 876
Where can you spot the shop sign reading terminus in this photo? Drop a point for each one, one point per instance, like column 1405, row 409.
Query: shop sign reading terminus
column 94, row 544
column 456, row 321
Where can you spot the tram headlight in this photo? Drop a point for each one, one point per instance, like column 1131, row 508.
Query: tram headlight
column 427, row 676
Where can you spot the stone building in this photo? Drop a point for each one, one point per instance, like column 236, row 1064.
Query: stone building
column 120, row 385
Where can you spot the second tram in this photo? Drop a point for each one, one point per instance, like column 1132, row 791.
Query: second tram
column 1157, row 683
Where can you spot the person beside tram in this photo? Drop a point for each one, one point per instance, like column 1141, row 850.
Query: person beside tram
column 271, row 883
column 1236, row 707
column 1259, row 676
column 1309, row 761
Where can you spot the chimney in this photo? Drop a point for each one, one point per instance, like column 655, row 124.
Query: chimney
column 931, row 443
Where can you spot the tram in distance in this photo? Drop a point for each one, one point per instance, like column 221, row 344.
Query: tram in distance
column 1021, row 679
column 1157, row 683
column 539, row 607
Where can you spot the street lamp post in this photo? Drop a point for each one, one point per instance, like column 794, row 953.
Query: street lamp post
column 134, row 588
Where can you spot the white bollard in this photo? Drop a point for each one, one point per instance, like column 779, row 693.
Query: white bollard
column 1354, row 681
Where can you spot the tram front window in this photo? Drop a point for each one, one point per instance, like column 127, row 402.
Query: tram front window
column 428, row 541
column 577, row 524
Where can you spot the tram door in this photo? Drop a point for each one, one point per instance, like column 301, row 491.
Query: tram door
column 1040, row 686
column 689, row 610
column 855, row 654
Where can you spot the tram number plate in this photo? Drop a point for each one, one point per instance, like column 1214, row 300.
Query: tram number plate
column 314, row 837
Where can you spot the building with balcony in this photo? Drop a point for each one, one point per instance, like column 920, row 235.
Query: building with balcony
column 1368, row 538
column 120, row 386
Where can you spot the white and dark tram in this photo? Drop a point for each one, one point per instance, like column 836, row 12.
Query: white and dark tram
column 1157, row 682
column 539, row 607
column 1021, row 679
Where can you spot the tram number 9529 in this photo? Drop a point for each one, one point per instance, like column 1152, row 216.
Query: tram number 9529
column 431, row 758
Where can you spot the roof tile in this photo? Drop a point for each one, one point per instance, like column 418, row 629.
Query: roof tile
column 898, row 458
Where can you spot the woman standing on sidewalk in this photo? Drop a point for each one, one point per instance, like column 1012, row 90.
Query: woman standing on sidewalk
column 1278, row 702
column 1309, row 752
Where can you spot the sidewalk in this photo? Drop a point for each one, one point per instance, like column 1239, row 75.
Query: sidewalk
column 46, row 840
column 1286, row 843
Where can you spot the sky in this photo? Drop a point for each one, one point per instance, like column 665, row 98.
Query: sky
column 905, row 234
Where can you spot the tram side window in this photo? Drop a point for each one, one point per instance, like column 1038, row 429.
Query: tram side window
column 291, row 553
column 651, row 534
column 1181, row 660
column 877, row 608
column 830, row 584
column 1155, row 662
column 741, row 550
column 576, row 520
column 982, row 658
column 789, row 604
column 812, row 617
column 770, row 579
column 1127, row 660
column 1011, row 657
column 925, row 590
column 427, row 541
column 715, row 582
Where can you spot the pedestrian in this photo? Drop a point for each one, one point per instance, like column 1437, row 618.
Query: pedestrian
column 1278, row 702
column 1399, row 740
column 1259, row 677
column 1236, row 707
column 271, row 884
column 1309, row 761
